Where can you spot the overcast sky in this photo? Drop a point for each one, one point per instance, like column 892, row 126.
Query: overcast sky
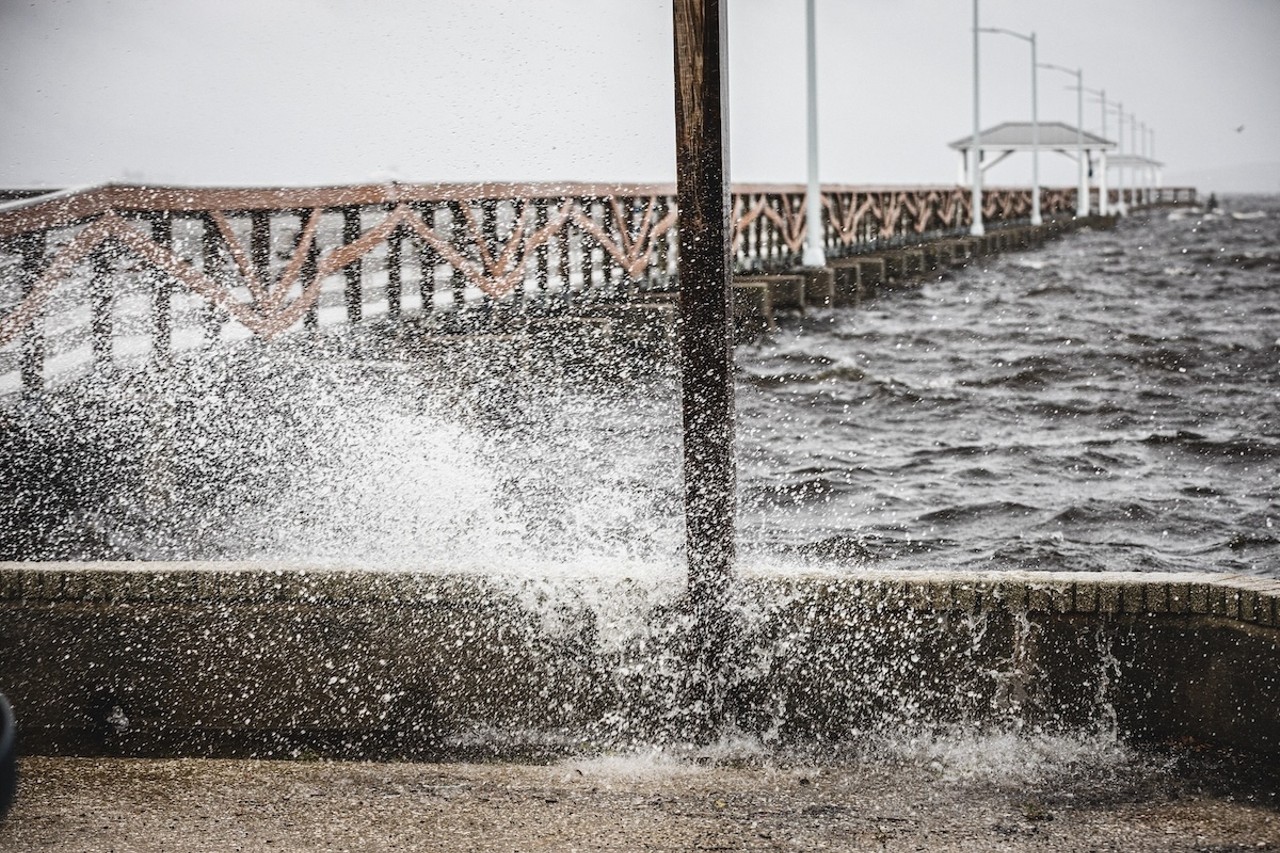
column 260, row 92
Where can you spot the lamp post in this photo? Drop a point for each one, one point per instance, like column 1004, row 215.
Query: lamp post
column 1135, row 193
column 976, row 227
column 1104, row 203
column 1121, row 207
column 814, row 255
column 1157, row 173
column 1035, row 121
column 1082, row 188
column 1146, row 164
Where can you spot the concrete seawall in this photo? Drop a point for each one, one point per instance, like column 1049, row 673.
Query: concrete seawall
column 226, row 659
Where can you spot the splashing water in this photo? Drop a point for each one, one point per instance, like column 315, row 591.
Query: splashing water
column 1099, row 403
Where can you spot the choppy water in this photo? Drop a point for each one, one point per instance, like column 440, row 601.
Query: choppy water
column 1108, row 401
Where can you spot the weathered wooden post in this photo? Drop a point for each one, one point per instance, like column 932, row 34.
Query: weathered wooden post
column 706, row 345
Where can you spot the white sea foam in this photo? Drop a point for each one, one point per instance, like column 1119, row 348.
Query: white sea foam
column 1005, row 757
column 652, row 763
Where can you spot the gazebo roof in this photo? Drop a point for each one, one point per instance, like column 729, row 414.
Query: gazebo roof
column 1129, row 161
column 1017, row 136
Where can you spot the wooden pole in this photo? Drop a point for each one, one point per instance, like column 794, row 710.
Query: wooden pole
column 706, row 345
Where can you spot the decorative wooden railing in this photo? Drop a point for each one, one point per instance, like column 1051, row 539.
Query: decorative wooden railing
column 90, row 278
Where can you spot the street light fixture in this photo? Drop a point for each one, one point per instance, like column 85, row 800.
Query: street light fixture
column 1104, row 203
column 1035, row 120
column 1138, row 145
column 814, row 254
column 1121, row 207
column 1156, row 177
column 1145, row 169
column 1082, row 190
column 976, row 227
column 1118, row 109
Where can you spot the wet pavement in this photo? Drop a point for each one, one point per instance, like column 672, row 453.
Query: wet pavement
column 619, row 804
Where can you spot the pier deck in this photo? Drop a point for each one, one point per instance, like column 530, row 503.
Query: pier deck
column 140, row 806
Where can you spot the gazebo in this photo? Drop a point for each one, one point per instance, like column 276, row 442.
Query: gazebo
column 1014, row 137
column 1145, row 175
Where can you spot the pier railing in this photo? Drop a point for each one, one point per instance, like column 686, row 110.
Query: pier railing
column 101, row 276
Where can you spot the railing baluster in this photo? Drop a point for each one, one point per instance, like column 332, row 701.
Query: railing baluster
column 394, row 248
column 310, row 267
column 457, row 283
column 427, row 260
column 32, row 249
column 354, row 270
column 489, row 233
column 637, row 208
column 662, row 249
column 543, row 269
column 100, row 325
column 260, row 244
column 774, row 237
column 587, row 251
column 162, row 295
column 611, row 226
column 210, row 262
column 755, row 237
column 563, row 266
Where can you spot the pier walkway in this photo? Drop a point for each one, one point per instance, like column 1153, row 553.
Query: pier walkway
column 654, row 803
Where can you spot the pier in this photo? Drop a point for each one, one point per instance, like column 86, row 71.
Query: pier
column 105, row 277
column 1174, row 656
